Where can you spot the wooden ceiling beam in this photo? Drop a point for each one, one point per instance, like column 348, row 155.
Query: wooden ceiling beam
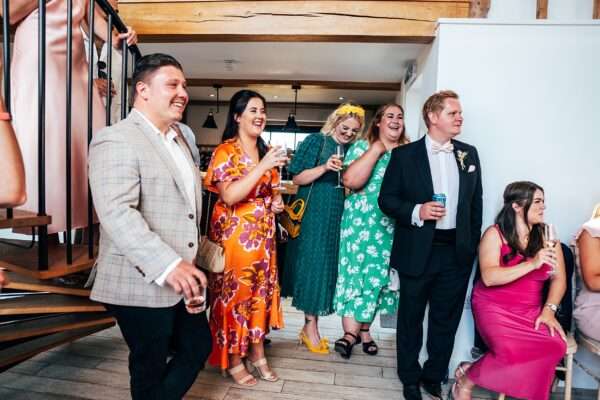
column 479, row 8
column 542, row 9
column 392, row 21
column 337, row 85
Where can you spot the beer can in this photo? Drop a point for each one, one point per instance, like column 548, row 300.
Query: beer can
column 440, row 198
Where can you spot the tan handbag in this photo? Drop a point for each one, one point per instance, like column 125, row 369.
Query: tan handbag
column 291, row 217
column 211, row 255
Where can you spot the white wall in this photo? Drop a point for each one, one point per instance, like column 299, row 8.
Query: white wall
column 526, row 9
column 531, row 99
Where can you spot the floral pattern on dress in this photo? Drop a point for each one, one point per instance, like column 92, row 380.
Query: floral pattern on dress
column 366, row 236
column 245, row 298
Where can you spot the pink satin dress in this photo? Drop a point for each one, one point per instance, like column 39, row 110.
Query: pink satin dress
column 520, row 361
column 24, row 73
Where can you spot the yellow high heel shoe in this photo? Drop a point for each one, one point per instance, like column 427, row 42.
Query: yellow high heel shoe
column 322, row 348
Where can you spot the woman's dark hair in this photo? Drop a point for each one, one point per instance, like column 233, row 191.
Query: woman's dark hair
column 237, row 105
column 521, row 193
column 373, row 131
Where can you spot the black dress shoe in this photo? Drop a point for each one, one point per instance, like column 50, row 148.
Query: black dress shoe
column 412, row 392
column 434, row 390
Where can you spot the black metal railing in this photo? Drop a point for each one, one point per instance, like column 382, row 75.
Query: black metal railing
column 113, row 22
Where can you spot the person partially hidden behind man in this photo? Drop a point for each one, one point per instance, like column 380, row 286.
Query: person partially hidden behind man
column 147, row 196
column 435, row 239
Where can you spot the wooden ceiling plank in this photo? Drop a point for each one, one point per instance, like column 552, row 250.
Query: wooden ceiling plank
column 337, row 85
column 542, row 9
column 394, row 21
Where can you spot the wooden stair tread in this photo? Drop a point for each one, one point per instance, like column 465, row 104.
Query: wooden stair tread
column 22, row 219
column 24, row 282
column 23, row 351
column 47, row 303
column 51, row 324
column 25, row 261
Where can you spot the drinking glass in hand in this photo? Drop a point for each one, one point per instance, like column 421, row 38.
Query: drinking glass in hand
column 339, row 152
column 197, row 304
column 283, row 151
column 550, row 238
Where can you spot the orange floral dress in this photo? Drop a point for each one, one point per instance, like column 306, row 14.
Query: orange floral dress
column 245, row 298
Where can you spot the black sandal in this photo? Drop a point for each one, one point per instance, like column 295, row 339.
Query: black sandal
column 371, row 347
column 343, row 345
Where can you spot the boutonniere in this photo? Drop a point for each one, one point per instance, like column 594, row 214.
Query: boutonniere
column 460, row 156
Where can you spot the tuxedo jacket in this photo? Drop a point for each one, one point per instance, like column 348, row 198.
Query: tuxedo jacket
column 408, row 182
column 146, row 218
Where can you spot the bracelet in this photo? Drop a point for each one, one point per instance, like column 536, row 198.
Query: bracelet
column 5, row 116
column 551, row 306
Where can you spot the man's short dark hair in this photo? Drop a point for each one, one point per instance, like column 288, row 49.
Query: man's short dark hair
column 147, row 65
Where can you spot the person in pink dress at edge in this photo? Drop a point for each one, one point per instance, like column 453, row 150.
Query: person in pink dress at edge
column 525, row 340
column 24, row 69
column 587, row 303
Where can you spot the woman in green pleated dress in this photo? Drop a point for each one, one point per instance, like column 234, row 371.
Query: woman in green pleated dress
column 366, row 233
column 311, row 259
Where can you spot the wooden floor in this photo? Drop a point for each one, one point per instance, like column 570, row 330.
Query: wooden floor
column 95, row 367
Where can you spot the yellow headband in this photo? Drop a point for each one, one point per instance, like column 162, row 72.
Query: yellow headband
column 350, row 109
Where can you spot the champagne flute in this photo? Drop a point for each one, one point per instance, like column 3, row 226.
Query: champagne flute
column 283, row 151
column 339, row 152
column 550, row 238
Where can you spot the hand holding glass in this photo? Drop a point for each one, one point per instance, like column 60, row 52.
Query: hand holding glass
column 339, row 153
column 283, row 151
column 550, row 239
column 196, row 305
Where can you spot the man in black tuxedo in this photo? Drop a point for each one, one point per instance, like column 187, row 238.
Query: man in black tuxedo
column 434, row 245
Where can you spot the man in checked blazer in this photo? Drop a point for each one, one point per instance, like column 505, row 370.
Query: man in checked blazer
column 146, row 191
column 434, row 243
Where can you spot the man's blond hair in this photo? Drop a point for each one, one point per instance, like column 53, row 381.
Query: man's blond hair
column 435, row 104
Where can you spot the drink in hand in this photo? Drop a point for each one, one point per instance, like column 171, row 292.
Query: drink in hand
column 550, row 239
column 196, row 305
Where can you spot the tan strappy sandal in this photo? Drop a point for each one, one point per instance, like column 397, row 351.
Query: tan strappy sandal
column 265, row 376
column 246, row 380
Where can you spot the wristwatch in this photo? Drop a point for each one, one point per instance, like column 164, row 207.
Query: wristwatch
column 551, row 306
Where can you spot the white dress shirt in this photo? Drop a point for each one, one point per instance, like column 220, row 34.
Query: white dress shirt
column 187, row 173
column 445, row 177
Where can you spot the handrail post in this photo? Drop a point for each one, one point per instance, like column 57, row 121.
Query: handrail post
column 124, row 81
column 109, row 69
column 90, row 123
column 69, row 212
column 42, row 230
column 6, row 60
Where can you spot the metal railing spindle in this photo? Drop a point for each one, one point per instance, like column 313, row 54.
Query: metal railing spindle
column 90, row 122
column 69, row 212
column 6, row 60
column 43, row 230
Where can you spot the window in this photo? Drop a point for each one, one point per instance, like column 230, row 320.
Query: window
column 277, row 136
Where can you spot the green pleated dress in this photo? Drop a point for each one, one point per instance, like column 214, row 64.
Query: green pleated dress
column 366, row 242
column 311, row 260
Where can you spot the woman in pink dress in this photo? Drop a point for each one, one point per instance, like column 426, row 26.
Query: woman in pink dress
column 525, row 340
column 24, row 70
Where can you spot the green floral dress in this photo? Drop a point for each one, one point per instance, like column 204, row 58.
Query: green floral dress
column 365, row 246
column 311, row 260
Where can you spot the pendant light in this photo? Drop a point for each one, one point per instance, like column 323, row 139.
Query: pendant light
column 291, row 124
column 210, row 122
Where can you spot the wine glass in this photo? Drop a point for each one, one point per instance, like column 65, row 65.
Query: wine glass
column 550, row 238
column 283, row 151
column 339, row 152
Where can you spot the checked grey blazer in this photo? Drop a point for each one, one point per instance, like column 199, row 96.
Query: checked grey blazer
column 146, row 220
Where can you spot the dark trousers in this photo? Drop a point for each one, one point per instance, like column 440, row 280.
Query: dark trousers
column 443, row 286
column 152, row 334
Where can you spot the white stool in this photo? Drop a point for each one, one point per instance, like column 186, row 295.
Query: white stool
column 593, row 346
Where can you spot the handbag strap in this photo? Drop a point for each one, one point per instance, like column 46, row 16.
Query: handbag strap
column 316, row 163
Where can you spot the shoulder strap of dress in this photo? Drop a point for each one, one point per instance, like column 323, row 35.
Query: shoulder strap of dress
column 502, row 239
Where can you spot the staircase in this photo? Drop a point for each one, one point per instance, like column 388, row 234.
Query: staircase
column 42, row 309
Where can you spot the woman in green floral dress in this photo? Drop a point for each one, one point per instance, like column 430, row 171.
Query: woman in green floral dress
column 366, row 233
column 311, row 260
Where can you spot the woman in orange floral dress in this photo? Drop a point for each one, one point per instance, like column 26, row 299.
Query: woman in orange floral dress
column 245, row 297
